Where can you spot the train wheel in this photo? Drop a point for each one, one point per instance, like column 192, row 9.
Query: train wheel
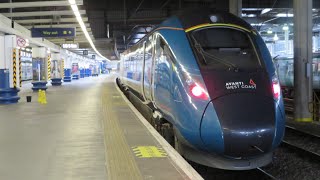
column 167, row 133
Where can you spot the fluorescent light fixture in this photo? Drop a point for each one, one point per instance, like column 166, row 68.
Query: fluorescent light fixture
column 269, row 31
column 72, row 2
column 265, row 10
column 275, row 37
column 252, row 15
column 84, row 28
column 285, row 27
column 284, row 15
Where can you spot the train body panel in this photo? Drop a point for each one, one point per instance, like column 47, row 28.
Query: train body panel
column 215, row 83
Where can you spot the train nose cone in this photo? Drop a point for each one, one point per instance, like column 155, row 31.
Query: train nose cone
column 248, row 123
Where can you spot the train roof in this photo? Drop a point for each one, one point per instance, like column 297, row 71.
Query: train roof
column 194, row 17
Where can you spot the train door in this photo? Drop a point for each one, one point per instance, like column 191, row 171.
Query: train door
column 147, row 71
column 162, row 76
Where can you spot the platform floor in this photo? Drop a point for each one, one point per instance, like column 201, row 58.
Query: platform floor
column 86, row 131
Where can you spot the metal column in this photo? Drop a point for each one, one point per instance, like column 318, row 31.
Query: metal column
column 235, row 7
column 302, row 60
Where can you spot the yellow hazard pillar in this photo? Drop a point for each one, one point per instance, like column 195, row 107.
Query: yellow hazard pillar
column 42, row 65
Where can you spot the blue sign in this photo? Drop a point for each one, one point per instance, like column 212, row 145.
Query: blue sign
column 53, row 32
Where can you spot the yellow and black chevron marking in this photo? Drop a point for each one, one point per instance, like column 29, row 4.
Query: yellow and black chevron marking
column 149, row 152
column 49, row 67
column 20, row 68
column 14, row 58
column 62, row 67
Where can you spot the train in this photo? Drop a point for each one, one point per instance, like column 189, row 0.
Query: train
column 284, row 67
column 206, row 81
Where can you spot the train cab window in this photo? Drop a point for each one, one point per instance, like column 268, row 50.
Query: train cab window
column 225, row 48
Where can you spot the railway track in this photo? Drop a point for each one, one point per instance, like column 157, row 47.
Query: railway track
column 305, row 143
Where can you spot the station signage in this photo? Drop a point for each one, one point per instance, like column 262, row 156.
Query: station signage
column 70, row 46
column 53, row 32
column 85, row 52
column 93, row 56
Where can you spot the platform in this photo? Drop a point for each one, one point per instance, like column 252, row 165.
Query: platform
column 307, row 127
column 86, row 131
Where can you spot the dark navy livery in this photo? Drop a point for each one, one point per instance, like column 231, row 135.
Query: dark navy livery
column 211, row 87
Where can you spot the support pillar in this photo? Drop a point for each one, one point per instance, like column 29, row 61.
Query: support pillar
column 56, row 69
column 302, row 60
column 40, row 61
column 9, row 70
column 67, row 70
column 235, row 7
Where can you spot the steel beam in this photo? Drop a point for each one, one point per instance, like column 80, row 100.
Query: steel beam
column 235, row 7
column 57, row 26
column 42, row 13
column 49, row 21
column 38, row 4
column 303, row 91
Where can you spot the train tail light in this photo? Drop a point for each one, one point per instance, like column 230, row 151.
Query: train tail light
column 198, row 92
column 276, row 88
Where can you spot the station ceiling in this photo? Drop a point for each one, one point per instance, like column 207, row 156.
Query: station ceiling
column 114, row 24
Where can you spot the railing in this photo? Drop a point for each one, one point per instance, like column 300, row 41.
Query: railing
column 315, row 106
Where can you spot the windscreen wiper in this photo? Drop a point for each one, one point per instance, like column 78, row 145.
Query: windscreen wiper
column 204, row 53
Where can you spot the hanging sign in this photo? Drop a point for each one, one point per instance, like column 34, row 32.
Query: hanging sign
column 53, row 32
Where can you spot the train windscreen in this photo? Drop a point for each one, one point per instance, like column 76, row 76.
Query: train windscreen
column 222, row 48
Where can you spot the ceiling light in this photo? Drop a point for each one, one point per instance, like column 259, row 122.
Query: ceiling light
column 269, row 31
column 84, row 28
column 284, row 15
column 265, row 10
column 285, row 27
column 72, row 2
column 275, row 38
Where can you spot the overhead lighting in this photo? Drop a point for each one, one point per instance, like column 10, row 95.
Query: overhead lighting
column 265, row 10
column 72, row 2
column 285, row 27
column 77, row 14
column 284, row 15
column 269, row 31
column 275, row 37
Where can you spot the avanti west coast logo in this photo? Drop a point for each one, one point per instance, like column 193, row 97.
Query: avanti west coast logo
column 241, row 85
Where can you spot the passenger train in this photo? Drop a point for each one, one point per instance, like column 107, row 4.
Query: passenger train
column 206, row 81
column 284, row 66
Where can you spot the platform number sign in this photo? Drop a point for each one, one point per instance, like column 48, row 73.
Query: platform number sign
column 85, row 52
column 93, row 56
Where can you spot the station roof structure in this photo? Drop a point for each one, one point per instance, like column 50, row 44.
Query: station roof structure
column 115, row 25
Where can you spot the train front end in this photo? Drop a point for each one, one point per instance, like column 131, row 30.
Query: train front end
column 245, row 106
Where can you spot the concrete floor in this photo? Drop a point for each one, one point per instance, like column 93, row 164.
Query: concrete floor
column 60, row 140
column 85, row 132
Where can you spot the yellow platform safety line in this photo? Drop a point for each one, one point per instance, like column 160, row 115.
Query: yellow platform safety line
column 62, row 66
column 149, row 152
column 20, row 68
column 49, row 67
column 303, row 119
column 219, row 25
column 42, row 98
column 14, row 58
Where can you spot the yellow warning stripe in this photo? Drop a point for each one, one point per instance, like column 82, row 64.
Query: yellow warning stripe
column 62, row 65
column 49, row 67
column 20, row 68
column 303, row 119
column 217, row 25
column 14, row 58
